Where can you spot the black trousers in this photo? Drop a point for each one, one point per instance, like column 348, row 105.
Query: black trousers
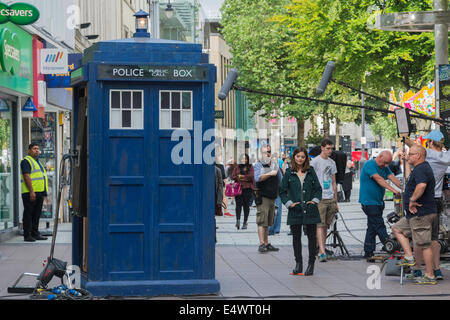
column 310, row 230
column 243, row 201
column 31, row 214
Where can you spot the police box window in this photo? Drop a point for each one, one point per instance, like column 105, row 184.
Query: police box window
column 175, row 109
column 126, row 109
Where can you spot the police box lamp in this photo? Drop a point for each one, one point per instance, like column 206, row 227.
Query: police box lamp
column 403, row 121
column 141, row 24
column 228, row 84
column 28, row 109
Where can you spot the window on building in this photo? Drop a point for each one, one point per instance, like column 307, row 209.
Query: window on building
column 175, row 110
column 126, row 109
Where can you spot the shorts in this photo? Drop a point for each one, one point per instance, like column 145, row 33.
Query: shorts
column 421, row 229
column 265, row 212
column 327, row 211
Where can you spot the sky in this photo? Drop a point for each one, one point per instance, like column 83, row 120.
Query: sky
column 211, row 7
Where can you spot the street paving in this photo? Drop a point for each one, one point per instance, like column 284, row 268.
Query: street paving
column 244, row 273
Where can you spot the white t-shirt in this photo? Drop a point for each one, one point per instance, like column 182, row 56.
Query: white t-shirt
column 325, row 169
column 439, row 162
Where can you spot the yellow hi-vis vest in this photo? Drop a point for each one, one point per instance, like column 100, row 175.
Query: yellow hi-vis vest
column 39, row 180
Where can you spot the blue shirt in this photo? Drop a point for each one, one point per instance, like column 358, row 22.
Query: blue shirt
column 259, row 171
column 421, row 174
column 370, row 192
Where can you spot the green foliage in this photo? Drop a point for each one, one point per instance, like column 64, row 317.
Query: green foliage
column 283, row 46
column 383, row 126
column 260, row 53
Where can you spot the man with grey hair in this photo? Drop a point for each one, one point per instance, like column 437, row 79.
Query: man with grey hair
column 371, row 196
column 267, row 177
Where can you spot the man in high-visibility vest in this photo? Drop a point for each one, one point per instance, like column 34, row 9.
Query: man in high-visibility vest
column 34, row 190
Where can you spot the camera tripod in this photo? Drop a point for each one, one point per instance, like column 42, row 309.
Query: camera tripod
column 337, row 240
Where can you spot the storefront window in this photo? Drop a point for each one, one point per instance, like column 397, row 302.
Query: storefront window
column 43, row 132
column 6, row 178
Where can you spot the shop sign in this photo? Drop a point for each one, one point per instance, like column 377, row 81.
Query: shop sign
column 9, row 51
column 29, row 106
column 16, row 59
column 54, row 61
column 18, row 13
column 152, row 73
column 219, row 114
column 62, row 80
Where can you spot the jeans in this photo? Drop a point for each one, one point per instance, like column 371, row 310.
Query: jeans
column 375, row 227
column 243, row 202
column 276, row 227
column 311, row 231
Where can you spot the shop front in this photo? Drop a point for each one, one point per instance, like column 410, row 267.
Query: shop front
column 16, row 85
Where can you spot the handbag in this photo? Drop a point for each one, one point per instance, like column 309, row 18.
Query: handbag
column 233, row 189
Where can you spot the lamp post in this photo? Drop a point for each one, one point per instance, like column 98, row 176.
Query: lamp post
column 141, row 24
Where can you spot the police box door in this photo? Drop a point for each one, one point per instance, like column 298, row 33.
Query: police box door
column 152, row 216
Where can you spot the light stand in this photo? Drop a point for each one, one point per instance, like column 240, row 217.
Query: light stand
column 337, row 240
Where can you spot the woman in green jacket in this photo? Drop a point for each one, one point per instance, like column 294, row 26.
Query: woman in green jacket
column 301, row 192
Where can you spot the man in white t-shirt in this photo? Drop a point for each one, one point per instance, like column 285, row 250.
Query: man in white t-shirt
column 326, row 170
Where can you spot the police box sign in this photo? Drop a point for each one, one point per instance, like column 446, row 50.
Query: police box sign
column 152, row 73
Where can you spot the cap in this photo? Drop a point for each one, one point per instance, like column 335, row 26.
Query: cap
column 435, row 135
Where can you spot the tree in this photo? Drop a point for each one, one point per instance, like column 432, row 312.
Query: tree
column 365, row 58
column 260, row 53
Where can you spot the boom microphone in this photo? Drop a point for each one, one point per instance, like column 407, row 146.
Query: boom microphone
column 326, row 77
column 228, row 84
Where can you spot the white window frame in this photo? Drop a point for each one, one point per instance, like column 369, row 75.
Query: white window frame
column 132, row 110
column 182, row 111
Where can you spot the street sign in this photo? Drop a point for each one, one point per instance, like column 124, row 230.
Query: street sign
column 219, row 114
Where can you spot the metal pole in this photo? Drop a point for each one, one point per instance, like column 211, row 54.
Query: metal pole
column 154, row 16
column 363, row 135
column 441, row 46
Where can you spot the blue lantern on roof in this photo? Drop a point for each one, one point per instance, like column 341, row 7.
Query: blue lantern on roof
column 141, row 24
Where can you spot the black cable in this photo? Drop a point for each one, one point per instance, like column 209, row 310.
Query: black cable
column 419, row 116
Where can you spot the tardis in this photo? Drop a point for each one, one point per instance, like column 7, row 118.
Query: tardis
column 145, row 219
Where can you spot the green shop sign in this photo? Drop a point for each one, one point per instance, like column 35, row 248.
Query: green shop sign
column 18, row 13
column 16, row 59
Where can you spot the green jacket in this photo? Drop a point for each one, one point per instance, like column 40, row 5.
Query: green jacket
column 292, row 191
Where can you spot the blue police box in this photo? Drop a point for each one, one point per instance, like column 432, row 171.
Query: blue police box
column 146, row 222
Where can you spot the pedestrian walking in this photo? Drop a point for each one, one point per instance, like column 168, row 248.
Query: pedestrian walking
column 245, row 175
column 326, row 170
column 421, row 216
column 371, row 196
column 301, row 193
column 439, row 162
column 347, row 182
column 276, row 227
column 267, row 177
column 34, row 190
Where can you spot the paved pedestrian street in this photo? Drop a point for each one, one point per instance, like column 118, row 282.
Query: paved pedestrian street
column 244, row 273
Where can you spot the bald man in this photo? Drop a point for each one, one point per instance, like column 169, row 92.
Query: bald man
column 421, row 214
column 371, row 196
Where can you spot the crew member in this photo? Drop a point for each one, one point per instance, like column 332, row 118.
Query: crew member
column 421, row 217
column 371, row 196
column 439, row 162
column 34, row 190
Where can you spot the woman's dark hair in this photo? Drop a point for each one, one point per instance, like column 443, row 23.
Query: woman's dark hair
column 243, row 165
column 295, row 167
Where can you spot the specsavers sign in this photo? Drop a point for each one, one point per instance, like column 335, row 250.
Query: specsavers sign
column 18, row 13
column 16, row 59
